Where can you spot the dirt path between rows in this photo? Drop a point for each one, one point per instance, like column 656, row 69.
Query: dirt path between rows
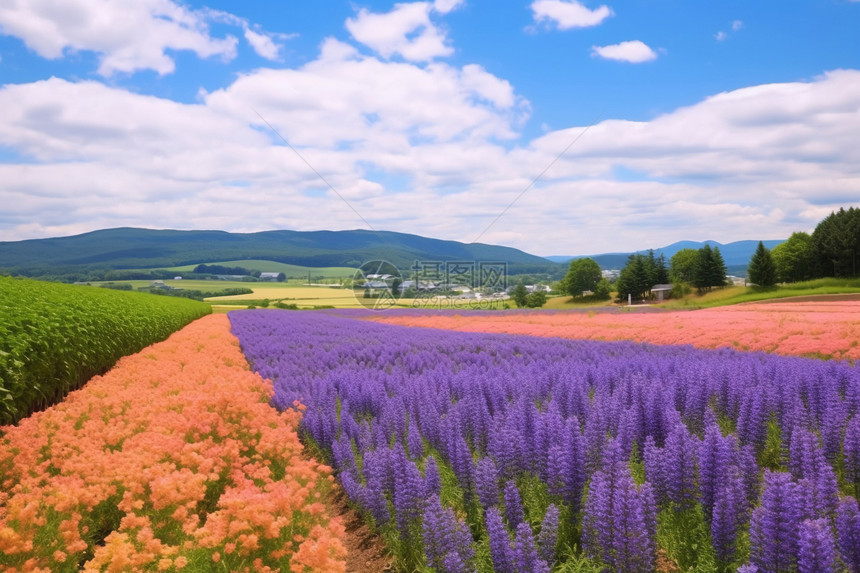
column 366, row 552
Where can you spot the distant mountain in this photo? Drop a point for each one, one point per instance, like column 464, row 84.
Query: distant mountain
column 736, row 254
column 130, row 248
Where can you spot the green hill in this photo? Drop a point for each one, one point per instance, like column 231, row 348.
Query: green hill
column 130, row 248
column 291, row 271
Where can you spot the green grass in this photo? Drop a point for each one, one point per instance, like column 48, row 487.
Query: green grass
column 295, row 271
column 565, row 302
column 739, row 294
column 54, row 337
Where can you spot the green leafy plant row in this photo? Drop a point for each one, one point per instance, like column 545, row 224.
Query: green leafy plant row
column 55, row 337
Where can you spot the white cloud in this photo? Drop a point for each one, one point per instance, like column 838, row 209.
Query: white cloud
column 262, row 44
column 567, row 14
column 406, row 31
column 445, row 6
column 128, row 36
column 416, row 148
column 735, row 25
column 633, row 51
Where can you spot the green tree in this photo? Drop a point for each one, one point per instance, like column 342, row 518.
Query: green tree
column 656, row 267
column 717, row 272
column 603, row 290
column 520, row 295
column 836, row 244
column 709, row 270
column 761, row 270
column 583, row 275
column 683, row 265
column 635, row 278
column 702, row 274
column 661, row 271
column 536, row 299
column 793, row 258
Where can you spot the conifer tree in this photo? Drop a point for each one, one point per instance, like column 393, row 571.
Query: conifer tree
column 761, row 270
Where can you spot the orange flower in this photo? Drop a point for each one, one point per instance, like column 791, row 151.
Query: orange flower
column 180, row 431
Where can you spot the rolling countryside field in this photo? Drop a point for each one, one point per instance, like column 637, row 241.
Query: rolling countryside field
column 429, row 286
column 518, row 446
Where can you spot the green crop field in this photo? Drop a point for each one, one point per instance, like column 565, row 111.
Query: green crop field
column 54, row 337
column 294, row 271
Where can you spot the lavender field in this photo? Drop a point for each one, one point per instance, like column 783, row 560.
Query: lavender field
column 480, row 452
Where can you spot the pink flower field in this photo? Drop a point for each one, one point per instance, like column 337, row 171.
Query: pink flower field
column 173, row 460
column 825, row 329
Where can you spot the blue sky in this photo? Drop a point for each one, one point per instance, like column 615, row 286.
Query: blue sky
column 681, row 120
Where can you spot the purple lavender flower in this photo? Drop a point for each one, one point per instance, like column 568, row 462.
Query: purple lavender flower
column 818, row 488
column 851, row 452
column 726, row 517
column 486, row 482
column 653, row 457
column 501, row 446
column 447, row 539
column 715, row 456
column 453, row 563
column 548, row 537
column 566, row 466
column 432, row 479
column 817, row 551
column 525, row 552
column 745, row 460
column 500, row 544
column 409, row 492
column 379, row 465
column 414, row 443
column 679, row 467
column 508, row 397
column 344, row 460
column 848, row 533
column 460, row 457
column 513, row 505
column 375, row 501
column 833, row 426
column 595, row 440
column 752, row 420
column 774, row 525
column 618, row 522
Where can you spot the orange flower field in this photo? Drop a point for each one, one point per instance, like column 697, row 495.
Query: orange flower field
column 826, row 329
column 173, row 460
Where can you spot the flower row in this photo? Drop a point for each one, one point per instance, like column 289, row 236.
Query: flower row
column 508, row 453
column 172, row 460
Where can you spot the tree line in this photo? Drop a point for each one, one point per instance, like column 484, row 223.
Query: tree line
column 702, row 268
column 832, row 250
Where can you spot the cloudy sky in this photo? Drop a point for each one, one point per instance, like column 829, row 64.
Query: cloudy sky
column 554, row 126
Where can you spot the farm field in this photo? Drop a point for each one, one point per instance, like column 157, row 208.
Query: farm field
column 487, row 452
column 54, row 337
column 290, row 293
column 174, row 460
column 821, row 328
column 463, row 451
column 296, row 271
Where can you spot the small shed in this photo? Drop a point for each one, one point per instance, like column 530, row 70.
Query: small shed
column 269, row 276
column 660, row 291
